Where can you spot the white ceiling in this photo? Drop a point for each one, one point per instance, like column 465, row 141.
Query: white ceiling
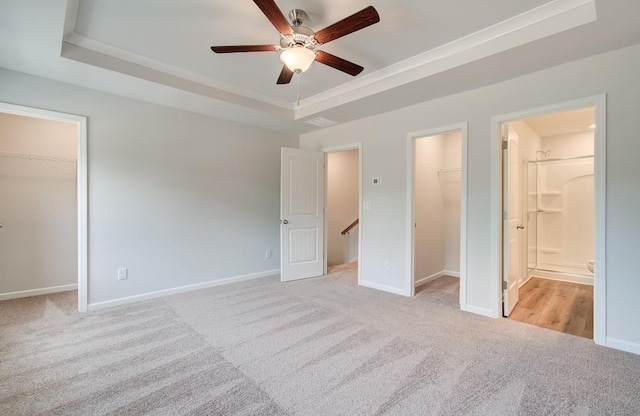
column 158, row 50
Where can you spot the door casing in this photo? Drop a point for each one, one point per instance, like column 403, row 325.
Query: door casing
column 351, row 146
column 463, row 128
column 599, row 103
column 81, row 186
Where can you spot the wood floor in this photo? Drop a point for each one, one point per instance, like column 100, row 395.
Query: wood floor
column 562, row 306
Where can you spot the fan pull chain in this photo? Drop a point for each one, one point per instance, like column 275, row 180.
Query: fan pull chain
column 298, row 91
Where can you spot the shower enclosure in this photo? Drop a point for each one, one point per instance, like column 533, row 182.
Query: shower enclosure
column 560, row 217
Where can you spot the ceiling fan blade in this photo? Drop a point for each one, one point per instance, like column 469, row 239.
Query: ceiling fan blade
column 243, row 48
column 338, row 63
column 275, row 16
column 285, row 76
column 360, row 20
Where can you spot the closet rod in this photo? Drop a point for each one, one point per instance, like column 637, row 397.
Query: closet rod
column 35, row 157
column 447, row 170
column 561, row 158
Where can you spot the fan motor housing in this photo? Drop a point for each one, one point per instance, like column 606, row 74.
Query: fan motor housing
column 302, row 36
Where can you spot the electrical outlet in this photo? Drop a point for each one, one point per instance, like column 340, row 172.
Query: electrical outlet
column 123, row 274
column 387, row 265
column 268, row 254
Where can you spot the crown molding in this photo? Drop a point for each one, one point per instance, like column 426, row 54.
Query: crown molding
column 546, row 20
column 90, row 45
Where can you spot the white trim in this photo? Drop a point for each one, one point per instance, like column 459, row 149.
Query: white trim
column 599, row 102
column 478, row 311
column 435, row 276
column 181, row 289
column 81, row 123
column 543, row 21
column 37, row 292
column 352, row 146
column 385, row 288
column 463, row 128
column 548, row 19
column 429, row 278
column 110, row 51
column 600, row 228
column 564, row 277
column 619, row 344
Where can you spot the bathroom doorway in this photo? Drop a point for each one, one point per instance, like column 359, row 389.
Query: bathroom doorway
column 549, row 219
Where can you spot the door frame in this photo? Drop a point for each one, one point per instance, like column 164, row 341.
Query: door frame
column 599, row 102
column 463, row 128
column 81, row 185
column 335, row 149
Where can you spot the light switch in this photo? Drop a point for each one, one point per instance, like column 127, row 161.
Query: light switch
column 366, row 205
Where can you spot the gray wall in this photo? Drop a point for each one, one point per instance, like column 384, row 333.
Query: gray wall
column 384, row 152
column 175, row 197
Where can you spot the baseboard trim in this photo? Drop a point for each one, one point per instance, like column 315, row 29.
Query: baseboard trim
column 621, row 345
column 385, row 288
column 564, row 277
column 180, row 289
column 37, row 292
column 429, row 278
column 477, row 310
column 435, row 276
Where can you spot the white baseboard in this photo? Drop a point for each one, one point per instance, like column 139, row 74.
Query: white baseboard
column 385, row 288
column 435, row 276
column 619, row 344
column 429, row 278
column 564, row 277
column 477, row 310
column 37, row 292
column 180, row 289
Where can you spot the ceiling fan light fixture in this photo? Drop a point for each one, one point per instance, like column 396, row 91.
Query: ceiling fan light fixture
column 298, row 58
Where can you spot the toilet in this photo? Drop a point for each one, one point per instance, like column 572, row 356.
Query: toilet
column 590, row 266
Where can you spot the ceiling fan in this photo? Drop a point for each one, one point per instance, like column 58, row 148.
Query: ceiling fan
column 298, row 43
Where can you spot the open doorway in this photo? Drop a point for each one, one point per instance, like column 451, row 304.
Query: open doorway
column 342, row 210
column 43, row 209
column 320, row 211
column 550, row 178
column 438, row 212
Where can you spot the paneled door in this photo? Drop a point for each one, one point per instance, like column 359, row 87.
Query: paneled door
column 512, row 220
column 301, row 214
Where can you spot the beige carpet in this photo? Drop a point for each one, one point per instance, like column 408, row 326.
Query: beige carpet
column 317, row 347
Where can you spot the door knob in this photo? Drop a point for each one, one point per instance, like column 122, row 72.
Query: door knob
column 520, row 227
column 285, row 222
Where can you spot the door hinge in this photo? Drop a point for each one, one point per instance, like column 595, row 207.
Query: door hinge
column 505, row 145
column 504, row 215
column 504, row 285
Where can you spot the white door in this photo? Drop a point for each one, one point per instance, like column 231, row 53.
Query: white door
column 301, row 214
column 512, row 220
